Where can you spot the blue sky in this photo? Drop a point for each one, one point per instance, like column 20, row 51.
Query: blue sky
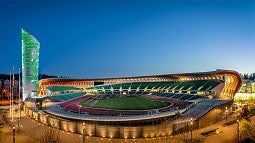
column 91, row 39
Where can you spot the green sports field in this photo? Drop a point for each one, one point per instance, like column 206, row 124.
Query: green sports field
column 128, row 103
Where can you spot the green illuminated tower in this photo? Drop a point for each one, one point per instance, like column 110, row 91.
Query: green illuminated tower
column 30, row 63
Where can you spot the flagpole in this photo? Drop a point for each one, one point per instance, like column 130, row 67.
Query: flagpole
column 19, row 104
column 12, row 89
column 10, row 93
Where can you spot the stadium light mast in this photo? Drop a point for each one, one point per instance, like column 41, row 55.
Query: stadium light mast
column 30, row 63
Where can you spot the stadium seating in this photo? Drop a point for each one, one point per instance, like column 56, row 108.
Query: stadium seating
column 150, row 87
column 177, row 95
column 67, row 96
column 202, row 108
column 62, row 88
column 186, row 97
column 198, row 110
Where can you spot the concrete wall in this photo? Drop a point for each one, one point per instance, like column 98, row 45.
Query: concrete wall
column 106, row 131
column 113, row 131
column 54, row 122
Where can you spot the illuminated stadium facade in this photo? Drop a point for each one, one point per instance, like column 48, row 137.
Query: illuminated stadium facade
column 232, row 83
column 126, row 107
column 30, row 63
column 201, row 96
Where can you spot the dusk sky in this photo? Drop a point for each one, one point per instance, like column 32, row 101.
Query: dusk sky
column 113, row 39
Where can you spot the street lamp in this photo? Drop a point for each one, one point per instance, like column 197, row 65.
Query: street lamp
column 4, row 93
column 191, row 127
column 237, row 121
column 47, row 119
column 13, row 134
column 83, row 132
column 79, row 108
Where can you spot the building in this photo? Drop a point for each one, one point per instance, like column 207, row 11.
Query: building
column 202, row 97
column 30, row 63
column 246, row 92
column 5, row 89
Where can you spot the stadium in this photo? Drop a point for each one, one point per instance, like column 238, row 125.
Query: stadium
column 126, row 107
column 134, row 107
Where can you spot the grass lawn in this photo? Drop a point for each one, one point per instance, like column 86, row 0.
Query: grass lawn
column 129, row 103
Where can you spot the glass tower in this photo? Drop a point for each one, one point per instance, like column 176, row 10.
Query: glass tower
column 30, row 63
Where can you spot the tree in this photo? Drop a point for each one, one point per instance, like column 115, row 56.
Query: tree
column 248, row 76
column 246, row 131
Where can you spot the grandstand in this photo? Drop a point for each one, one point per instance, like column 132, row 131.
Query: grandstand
column 149, row 87
column 54, row 90
column 186, row 97
column 63, row 88
column 67, row 96
column 201, row 108
column 198, row 110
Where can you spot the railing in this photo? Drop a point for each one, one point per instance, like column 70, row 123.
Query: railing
column 73, row 115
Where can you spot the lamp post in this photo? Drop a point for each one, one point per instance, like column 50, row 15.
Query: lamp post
column 79, row 108
column 83, row 132
column 19, row 118
column 237, row 121
column 226, row 114
column 13, row 134
column 47, row 122
column 4, row 93
column 191, row 127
